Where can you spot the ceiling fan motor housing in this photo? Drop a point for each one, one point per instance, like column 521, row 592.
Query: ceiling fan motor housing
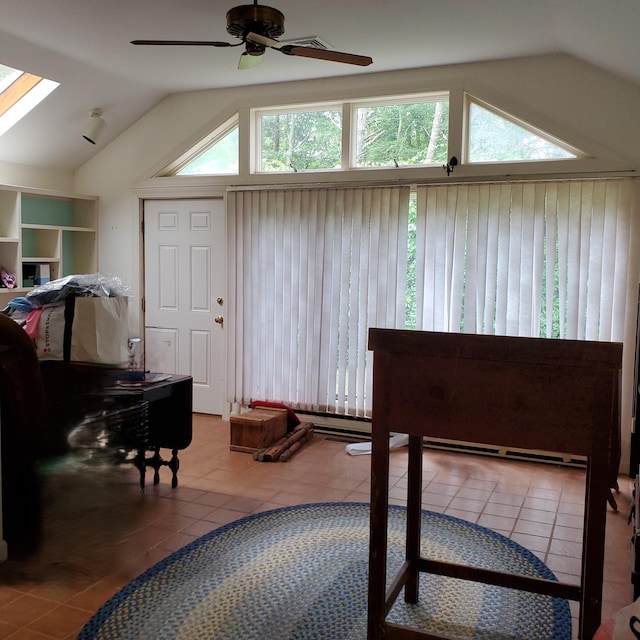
column 255, row 18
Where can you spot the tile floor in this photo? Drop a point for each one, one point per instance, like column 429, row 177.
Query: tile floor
column 101, row 530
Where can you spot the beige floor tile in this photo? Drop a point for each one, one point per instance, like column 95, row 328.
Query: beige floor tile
column 108, row 530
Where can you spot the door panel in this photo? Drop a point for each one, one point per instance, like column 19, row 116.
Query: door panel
column 200, row 288
column 167, row 270
column 184, row 245
column 200, row 344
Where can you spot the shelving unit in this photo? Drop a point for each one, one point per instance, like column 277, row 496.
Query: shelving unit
column 45, row 233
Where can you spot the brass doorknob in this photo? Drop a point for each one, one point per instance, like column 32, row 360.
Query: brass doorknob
column 219, row 319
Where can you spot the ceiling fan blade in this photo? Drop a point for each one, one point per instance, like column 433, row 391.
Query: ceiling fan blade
column 186, row 43
column 311, row 52
column 326, row 54
column 248, row 61
column 267, row 42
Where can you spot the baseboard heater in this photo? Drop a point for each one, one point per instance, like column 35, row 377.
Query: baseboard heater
column 345, row 429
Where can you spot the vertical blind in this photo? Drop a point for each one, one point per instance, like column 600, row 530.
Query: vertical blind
column 524, row 259
column 312, row 269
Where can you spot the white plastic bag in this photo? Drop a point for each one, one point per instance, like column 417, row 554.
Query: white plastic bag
column 93, row 330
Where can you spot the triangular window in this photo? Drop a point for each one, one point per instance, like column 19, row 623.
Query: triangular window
column 219, row 157
column 495, row 136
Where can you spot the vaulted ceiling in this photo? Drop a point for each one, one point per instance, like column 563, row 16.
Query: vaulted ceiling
column 85, row 45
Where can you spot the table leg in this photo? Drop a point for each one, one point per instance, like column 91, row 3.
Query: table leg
column 378, row 532
column 140, row 462
column 174, row 465
column 156, row 462
column 414, row 517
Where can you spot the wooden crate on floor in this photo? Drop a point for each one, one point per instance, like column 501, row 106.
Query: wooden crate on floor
column 257, row 428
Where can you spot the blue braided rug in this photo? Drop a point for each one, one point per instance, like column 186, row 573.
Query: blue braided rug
column 301, row 573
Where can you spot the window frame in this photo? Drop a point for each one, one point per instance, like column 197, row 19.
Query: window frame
column 589, row 160
column 256, row 117
column 349, row 130
column 390, row 101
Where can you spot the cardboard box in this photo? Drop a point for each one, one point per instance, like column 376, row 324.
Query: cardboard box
column 257, row 428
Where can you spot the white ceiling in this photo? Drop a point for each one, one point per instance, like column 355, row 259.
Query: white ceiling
column 84, row 45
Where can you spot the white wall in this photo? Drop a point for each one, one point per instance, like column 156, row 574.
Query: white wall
column 568, row 98
column 38, row 177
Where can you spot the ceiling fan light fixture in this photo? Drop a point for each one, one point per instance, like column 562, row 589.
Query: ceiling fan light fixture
column 254, row 48
column 249, row 62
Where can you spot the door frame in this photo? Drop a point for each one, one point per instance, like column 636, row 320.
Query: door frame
column 176, row 192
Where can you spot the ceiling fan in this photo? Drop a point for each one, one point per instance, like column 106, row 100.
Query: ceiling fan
column 257, row 27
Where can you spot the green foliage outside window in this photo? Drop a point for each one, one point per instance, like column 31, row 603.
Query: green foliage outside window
column 221, row 158
column 402, row 134
column 301, row 141
column 493, row 138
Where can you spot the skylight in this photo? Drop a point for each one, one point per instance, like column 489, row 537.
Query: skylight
column 19, row 93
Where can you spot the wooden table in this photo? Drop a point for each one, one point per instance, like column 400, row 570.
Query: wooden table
column 529, row 393
column 169, row 415
column 76, row 391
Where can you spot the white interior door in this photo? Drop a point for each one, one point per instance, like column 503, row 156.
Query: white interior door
column 184, row 261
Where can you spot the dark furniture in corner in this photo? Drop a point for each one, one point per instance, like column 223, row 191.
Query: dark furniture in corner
column 25, row 436
column 145, row 417
column 529, row 393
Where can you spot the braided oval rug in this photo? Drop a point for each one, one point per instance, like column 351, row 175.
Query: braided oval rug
column 301, row 573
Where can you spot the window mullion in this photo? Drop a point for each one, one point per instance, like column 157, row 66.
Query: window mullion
column 347, row 137
column 457, row 120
